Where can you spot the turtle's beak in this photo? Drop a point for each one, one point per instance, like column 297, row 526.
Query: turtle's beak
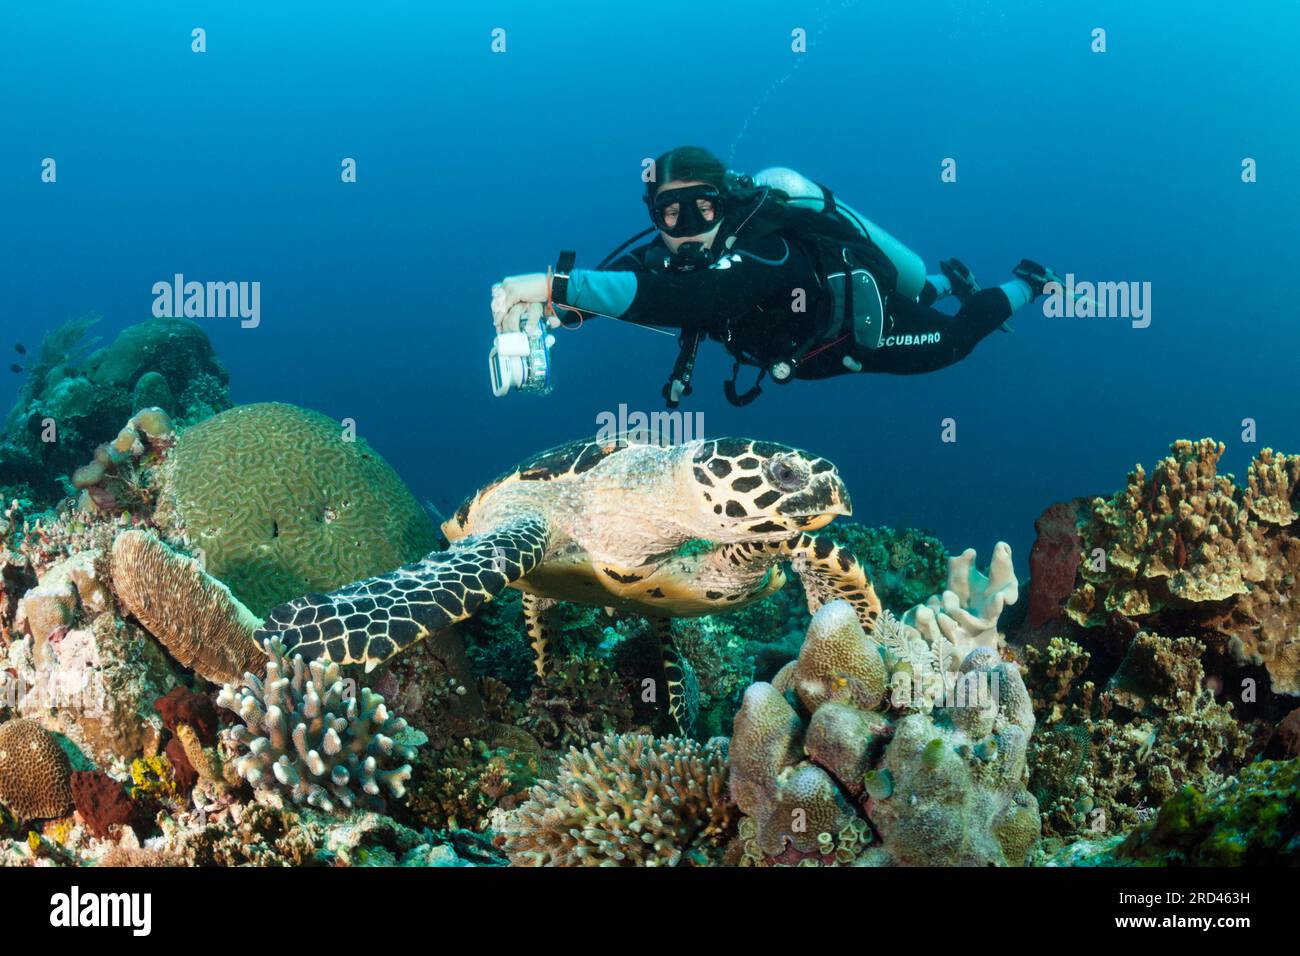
column 824, row 501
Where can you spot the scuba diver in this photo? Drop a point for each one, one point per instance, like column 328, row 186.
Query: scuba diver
column 779, row 271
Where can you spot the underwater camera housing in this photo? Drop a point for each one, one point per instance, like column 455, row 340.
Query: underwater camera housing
column 522, row 360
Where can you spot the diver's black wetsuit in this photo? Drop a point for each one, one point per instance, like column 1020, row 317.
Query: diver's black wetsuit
column 746, row 300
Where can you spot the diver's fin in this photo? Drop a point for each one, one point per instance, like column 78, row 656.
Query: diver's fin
column 371, row 620
column 963, row 282
column 537, row 626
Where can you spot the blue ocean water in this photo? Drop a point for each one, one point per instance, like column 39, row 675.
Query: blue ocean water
column 471, row 165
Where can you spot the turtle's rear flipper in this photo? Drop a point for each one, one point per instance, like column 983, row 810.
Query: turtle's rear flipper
column 371, row 620
column 682, row 690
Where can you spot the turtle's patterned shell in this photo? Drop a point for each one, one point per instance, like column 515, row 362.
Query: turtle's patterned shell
column 562, row 461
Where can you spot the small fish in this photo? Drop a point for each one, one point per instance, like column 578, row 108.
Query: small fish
column 15, row 368
column 20, row 348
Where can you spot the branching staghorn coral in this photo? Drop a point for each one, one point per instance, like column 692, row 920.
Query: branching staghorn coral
column 304, row 734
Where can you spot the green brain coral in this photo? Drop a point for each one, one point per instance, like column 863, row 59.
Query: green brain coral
column 280, row 504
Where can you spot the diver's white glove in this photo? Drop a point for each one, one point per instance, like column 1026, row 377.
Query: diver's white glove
column 515, row 298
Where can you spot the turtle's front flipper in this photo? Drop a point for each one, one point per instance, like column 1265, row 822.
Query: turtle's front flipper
column 538, row 627
column 830, row 572
column 371, row 620
column 676, row 677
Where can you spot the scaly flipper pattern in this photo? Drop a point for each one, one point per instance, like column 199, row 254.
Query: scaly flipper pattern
column 674, row 676
column 371, row 620
column 537, row 624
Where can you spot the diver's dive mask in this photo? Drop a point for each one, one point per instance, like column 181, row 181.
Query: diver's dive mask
column 522, row 360
column 692, row 203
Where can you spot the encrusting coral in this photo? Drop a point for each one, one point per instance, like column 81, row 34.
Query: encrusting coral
column 35, row 773
column 305, row 733
column 105, row 804
column 1187, row 551
column 885, row 730
column 628, row 800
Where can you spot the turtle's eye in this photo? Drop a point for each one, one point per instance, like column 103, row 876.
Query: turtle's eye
column 784, row 475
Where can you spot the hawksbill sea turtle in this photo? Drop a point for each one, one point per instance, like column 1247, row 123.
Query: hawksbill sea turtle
column 663, row 531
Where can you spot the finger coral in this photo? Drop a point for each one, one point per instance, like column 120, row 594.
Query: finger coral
column 304, row 732
column 628, row 800
column 965, row 616
column 34, row 772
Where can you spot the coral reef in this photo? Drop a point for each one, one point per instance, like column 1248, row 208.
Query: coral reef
column 133, row 572
column 883, row 730
column 120, row 477
column 629, row 800
column 459, row 786
column 1187, row 551
column 578, row 702
column 1253, row 820
column 34, row 772
column 1102, row 762
column 161, row 362
column 306, row 733
column 327, row 509
column 95, row 684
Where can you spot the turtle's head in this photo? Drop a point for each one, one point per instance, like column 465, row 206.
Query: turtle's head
column 757, row 490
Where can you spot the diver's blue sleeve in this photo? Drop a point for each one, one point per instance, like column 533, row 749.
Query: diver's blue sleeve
column 605, row 293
